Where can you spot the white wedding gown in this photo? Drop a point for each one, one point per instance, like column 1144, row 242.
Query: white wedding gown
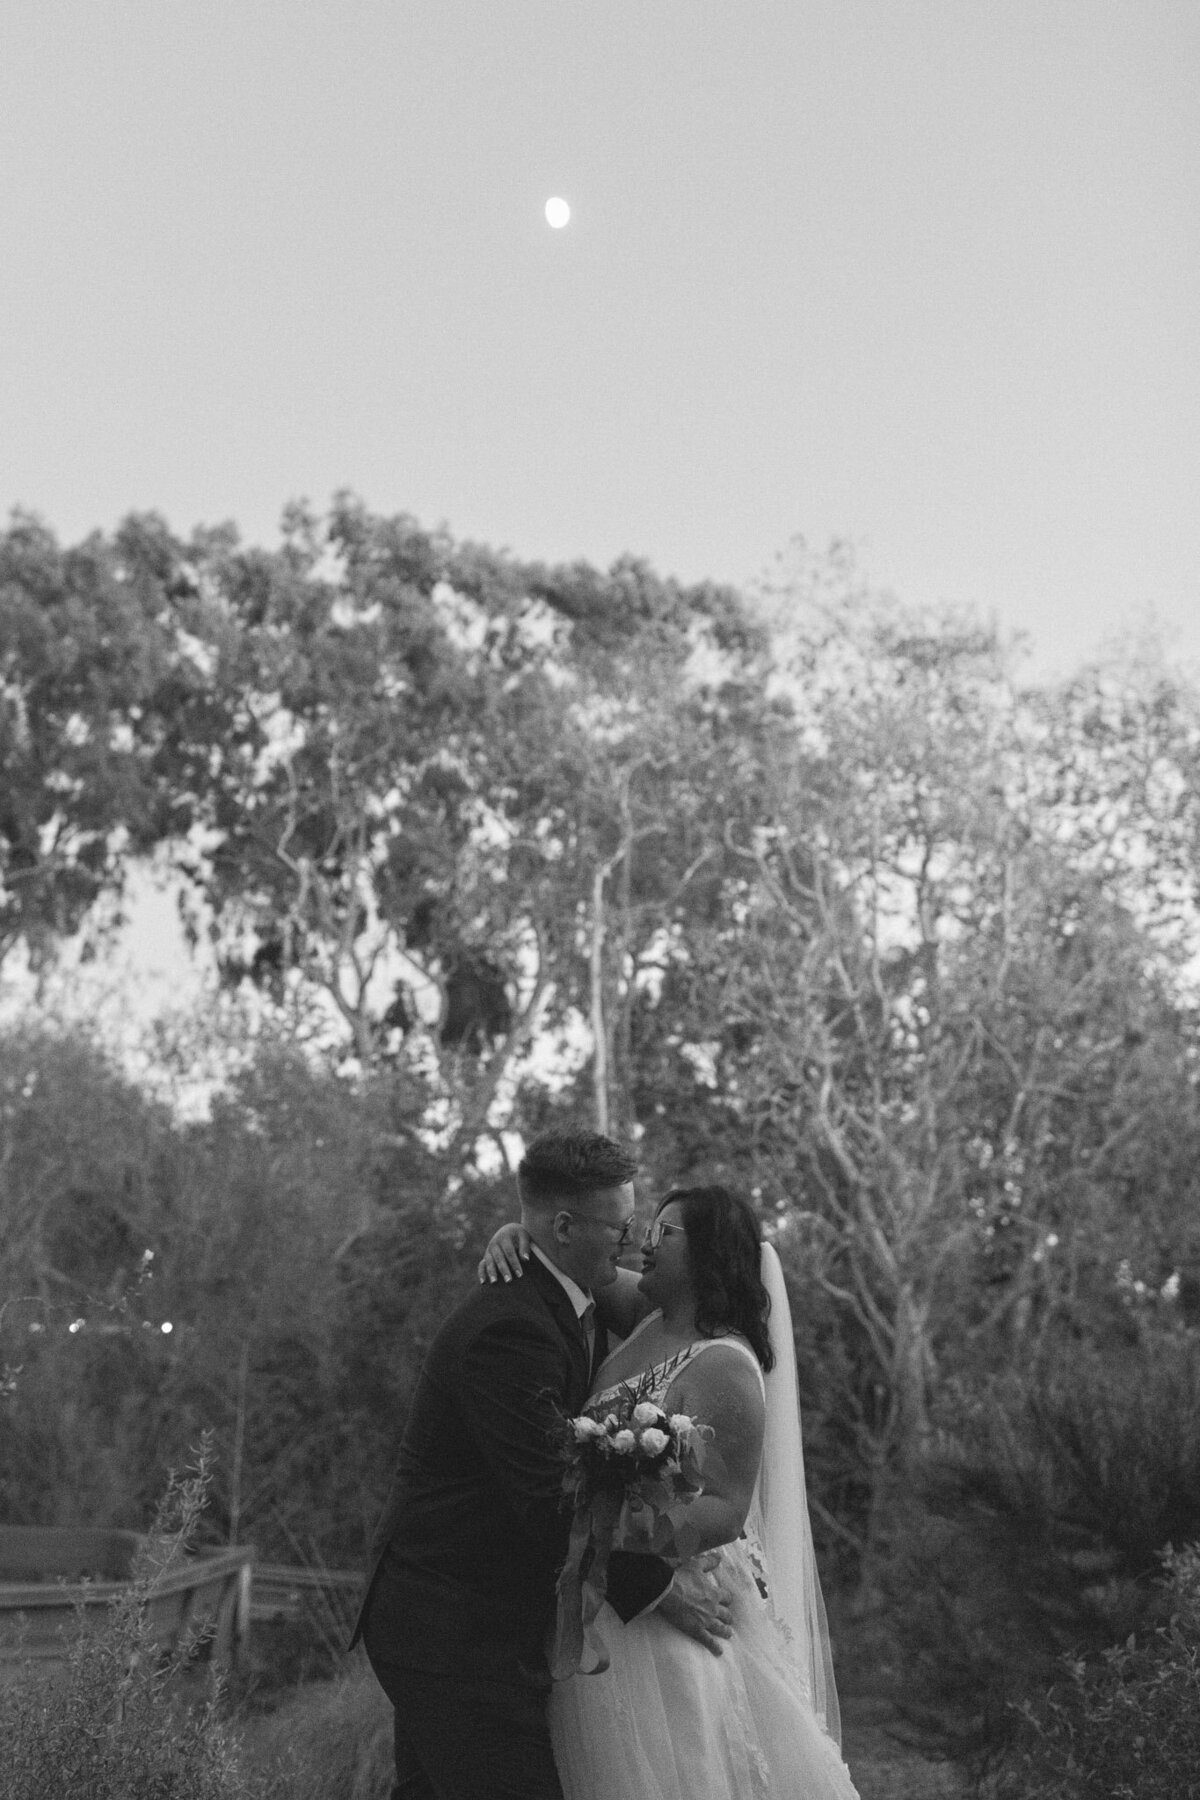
column 668, row 1720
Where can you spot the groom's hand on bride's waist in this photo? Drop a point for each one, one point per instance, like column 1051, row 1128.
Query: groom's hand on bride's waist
column 698, row 1604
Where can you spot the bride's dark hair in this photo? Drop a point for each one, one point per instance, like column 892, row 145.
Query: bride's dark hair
column 723, row 1251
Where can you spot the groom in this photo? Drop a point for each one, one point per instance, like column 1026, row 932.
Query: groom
column 460, row 1590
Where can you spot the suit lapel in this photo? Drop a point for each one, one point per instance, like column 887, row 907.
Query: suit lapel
column 566, row 1319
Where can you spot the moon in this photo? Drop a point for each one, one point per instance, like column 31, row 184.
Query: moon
column 557, row 212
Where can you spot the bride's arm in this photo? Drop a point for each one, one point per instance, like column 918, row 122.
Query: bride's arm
column 507, row 1249
column 619, row 1306
column 722, row 1390
column 622, row 1304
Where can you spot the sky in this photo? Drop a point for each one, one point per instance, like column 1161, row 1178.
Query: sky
column 923, row 275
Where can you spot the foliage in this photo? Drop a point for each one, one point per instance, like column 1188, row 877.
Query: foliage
column 87, row 1165
column 1125, row 1723
column 295, row 1335
column 805, row 892
column 112, row 1727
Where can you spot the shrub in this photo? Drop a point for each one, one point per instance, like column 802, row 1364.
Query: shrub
column 1035, row 1527
column 1125, row 1724
column 113, row 1724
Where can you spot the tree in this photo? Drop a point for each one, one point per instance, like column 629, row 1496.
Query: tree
column 413, row 775
column 84, row 650
column 928, row 1024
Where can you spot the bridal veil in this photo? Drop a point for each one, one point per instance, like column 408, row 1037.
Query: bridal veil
column 782, row 1502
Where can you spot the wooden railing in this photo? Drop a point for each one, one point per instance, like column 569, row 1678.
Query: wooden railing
column 282, row 1590
column 55, row 1582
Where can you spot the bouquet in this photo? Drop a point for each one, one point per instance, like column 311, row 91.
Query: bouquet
column 631, row 1473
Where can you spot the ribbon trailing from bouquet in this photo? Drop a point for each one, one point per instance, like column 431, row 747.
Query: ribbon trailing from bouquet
column 582, row 1587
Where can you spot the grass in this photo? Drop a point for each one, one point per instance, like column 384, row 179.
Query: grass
column 329, row 1740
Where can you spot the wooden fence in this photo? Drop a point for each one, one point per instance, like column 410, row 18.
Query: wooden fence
column 55, row 1582
column 282, row 1590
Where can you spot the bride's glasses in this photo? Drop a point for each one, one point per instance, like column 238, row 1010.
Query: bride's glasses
column 655, row 1232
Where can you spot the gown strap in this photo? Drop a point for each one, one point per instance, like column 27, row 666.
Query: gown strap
column 730, row 1343
column 667, row 1371
column 622, row 1344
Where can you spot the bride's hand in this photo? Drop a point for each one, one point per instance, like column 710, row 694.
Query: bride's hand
column 507, row 1249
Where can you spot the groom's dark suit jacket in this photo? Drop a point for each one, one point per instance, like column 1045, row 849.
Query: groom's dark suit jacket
column 464, row 1559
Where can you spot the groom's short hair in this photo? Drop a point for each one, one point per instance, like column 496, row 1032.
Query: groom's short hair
column 568, row 1165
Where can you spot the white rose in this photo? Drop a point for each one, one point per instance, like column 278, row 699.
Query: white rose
column 654, row 1441
column 683, row 1427
column 586, row 1428
column 624, row 1443
column 646, row 1414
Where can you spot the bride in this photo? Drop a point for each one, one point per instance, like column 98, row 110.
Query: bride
column 709, row 1327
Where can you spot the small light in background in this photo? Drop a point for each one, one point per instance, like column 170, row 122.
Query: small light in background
column 166, row 1328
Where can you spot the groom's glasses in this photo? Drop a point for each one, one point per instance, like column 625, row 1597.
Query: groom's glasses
column 655, row 1232
column 620, row 1234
